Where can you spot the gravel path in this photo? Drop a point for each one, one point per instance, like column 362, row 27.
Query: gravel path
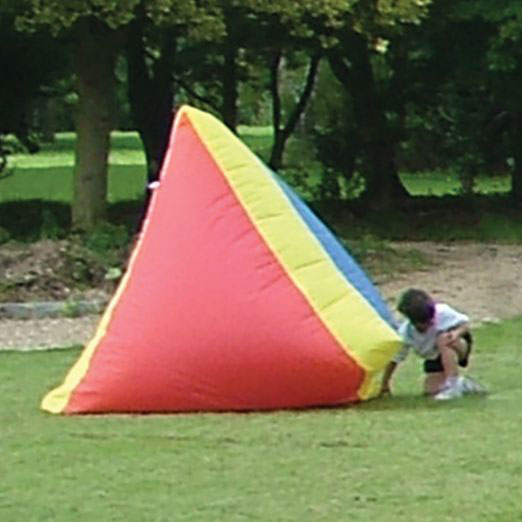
column 483, row 280
column 46, row 333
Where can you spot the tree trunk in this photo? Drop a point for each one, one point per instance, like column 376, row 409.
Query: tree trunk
column 151, row 93
column 282, row 134
column 276, row 156
column 355, row 72
column 230, row 90
column 46, row 118
column 516, row 150
column 94, row 59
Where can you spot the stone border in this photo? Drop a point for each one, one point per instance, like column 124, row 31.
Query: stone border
column 44, row 309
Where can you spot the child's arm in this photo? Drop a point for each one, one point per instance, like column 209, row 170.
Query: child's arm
column 399, row 357
column 451, row 324
column 386, row 378
column 454, row 334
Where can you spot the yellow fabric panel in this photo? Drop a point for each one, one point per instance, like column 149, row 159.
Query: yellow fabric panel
column 367, row 338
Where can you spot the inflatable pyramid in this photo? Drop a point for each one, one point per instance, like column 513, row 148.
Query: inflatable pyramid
column 236, row 298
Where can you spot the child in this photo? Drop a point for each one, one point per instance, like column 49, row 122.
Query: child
column 440, row 335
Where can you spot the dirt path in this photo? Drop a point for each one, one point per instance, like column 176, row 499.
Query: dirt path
column 483, row 280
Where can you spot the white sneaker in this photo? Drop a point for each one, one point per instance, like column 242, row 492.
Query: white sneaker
column 472, row 387
column 452, row 390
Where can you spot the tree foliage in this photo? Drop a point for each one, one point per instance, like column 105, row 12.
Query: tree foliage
column 32, row 64
column 467, row 61
column 424, row 82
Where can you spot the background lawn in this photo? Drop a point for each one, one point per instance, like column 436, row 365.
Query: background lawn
column 439, row 183
column 36, row 193
column 403, row 458
column 48, row 174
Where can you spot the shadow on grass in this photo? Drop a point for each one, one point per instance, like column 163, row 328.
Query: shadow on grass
column 126, row 140
column 31, row 220
column 419, row 402
column 66, row 141
column 5, row 175
column 437, row 218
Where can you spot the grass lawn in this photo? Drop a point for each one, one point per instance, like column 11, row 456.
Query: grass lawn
column 402, row 458
column 48, row 175
column 442, row 183
column 38, row 189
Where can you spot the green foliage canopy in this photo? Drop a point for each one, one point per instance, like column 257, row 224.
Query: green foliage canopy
column 60, row 16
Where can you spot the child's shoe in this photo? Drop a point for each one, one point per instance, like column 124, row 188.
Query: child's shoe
column 453, row 390
column 472, row 387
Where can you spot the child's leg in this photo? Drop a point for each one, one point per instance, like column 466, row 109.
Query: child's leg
column 434, row 383
column 449, row 357
column 453, row 353
column 462, row 347
column 435, row 378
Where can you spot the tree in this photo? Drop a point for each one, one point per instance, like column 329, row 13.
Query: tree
column 465, row 68
column 441, row 93
column 155, row 58
column 282, row 132
column 96, row 32
column 32, row 64
column 269, row 44
column 92, row 31
column 350, row 33
column 151, row 86
column 95, row 48
column 353, row 68
column 503, row 72
column 252, row 44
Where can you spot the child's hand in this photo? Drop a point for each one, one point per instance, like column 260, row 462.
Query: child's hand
column 385, row 390
column 448, row 337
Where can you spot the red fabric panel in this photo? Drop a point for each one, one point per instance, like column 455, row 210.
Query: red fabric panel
column 209, row 321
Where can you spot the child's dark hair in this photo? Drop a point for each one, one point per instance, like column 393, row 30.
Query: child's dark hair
column 417, row 306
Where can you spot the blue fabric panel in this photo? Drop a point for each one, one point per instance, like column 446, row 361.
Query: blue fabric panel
column 344, row 261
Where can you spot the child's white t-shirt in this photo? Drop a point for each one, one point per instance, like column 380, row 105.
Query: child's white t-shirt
column 424, row 343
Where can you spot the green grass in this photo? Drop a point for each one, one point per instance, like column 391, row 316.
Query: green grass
column 395, row 459
column 439, row 183
column 442, row 219
column 43, row 184
column 48, row 175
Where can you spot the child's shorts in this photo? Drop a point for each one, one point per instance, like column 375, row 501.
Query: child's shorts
column 435, row 365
